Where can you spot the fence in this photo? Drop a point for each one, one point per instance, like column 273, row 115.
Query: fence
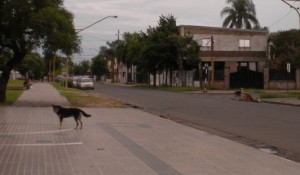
column 281, row 75
column 281, row 79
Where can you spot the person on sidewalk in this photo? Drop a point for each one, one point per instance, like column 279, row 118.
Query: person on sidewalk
column 27, row 84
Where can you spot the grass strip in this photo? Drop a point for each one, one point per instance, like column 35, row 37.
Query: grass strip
column 280, row 95
column 80, row 98
column 12, row 95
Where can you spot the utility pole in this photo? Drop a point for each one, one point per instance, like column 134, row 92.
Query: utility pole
column 118, row 35
column 67, row 71
column 53, row 72
column 212, row 64
column 49, row 72
column 115, row 63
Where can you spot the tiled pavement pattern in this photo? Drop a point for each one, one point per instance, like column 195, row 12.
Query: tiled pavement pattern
column 122, row 141
column 117, row 142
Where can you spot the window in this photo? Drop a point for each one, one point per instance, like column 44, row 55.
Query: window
column 206, row 43
column 244, row 43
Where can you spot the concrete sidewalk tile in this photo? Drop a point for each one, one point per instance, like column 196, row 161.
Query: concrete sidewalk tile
column 122, row 141
column 41, row 95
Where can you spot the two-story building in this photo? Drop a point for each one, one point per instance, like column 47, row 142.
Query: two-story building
column 234, row 59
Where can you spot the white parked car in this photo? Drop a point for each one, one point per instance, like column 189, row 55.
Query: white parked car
column 85, row 83
column 74, row 81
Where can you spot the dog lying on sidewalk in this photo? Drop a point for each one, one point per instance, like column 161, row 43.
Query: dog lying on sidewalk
column 69, row 112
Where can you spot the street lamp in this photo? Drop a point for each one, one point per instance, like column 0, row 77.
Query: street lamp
column 80, row 30
column 295, row 8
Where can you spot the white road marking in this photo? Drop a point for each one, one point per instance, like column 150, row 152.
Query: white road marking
column 45, row 144
column 40, row 132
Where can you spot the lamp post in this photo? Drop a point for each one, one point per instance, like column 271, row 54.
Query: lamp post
column 80, row 30
column 295, row 8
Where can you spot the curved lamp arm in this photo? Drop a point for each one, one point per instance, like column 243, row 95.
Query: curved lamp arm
column 80, row 30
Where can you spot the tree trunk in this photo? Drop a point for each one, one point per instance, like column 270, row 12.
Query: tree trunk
column 3, row 85
column 16, row 59
column 128, row 74
column 171, row 77
column 154, row 79
column 132, row 75
column 166, row 77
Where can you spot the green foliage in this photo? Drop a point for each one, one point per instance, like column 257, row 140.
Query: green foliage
column 133, row 46
column 27, row 24
column 189, row 52
column 240, row 14
column 286, row 48
column 12, row 95
column 279, row 95
column 33, row 65
column 99, row 66
column 82, row 68
column 164, row 49
column 159, row 48
column 160, row 51
column 120, row 51
column 14, row 83
column 55, row 27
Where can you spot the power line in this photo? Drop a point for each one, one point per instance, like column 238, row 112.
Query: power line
column 280, row 19
column 293, row 7
column 284, row 16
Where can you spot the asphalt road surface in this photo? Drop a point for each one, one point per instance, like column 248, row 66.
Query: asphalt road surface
column 261, row 125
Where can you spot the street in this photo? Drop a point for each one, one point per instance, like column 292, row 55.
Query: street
column 254, row 124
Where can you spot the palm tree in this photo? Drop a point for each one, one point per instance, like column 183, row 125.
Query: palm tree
column 240, row 14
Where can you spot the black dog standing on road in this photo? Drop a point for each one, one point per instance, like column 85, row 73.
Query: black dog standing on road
column 69, row 112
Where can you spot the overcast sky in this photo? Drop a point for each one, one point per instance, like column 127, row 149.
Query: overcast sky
column 138, row 15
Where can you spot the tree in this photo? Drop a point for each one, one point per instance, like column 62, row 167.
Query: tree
column 165, row 49
column 286, row 48
column 109, row 53
column 32, row 66
column 240, row 14
column 25, row 25
column 188, row 50
column 133, row 46
column 82, row 68
column 99, row 66
column 160, row 51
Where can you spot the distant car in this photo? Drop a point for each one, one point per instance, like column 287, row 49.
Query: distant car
column 85, row 83
column 74, row 81
column 59, row 78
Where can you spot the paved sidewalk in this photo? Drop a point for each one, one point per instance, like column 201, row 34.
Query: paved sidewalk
column 41, row 95
column 120, row 141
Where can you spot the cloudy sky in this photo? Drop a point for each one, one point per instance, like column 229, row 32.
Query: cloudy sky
column 138, row 15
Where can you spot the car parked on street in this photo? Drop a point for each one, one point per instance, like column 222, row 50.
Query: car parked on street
column 75, row 81
column 85, row 83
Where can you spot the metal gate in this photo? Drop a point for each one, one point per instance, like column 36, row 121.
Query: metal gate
column 247, row 79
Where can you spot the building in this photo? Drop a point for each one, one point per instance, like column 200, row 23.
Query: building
column 236, row 58
column 233, row 55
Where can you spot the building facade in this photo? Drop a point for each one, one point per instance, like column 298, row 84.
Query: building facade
column 225, row 51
